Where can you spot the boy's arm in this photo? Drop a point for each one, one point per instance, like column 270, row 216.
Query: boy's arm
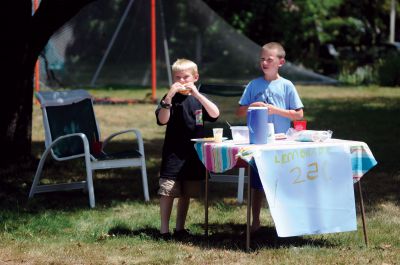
column 163, row 116
column 210, row 107
column 241, row 111
column 164, row 113
column 296, row 114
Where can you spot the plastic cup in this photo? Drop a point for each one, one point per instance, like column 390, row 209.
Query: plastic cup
column 240, row 134
column 300, row 125
column 218, row 134
column 271, row 133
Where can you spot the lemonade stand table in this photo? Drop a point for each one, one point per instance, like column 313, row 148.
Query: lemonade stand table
column 308, row 185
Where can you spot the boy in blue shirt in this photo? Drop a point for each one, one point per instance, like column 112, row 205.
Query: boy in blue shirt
column 280, row 96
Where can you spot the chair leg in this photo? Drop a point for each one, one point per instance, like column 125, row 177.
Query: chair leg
column 240, row 185
column 89, row 181
column 37, row 175
column 144, row 181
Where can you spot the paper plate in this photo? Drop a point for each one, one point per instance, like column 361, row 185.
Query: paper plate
column 207, row 139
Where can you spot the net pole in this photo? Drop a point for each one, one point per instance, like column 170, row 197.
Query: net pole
column 37, row 65
column 392, row 21
column 153, row 50
column 165, row 41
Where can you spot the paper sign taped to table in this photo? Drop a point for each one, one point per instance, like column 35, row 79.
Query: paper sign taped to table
column 309, row 190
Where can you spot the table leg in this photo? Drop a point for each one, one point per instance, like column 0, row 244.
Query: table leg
column 362, row 213
column 206, row 205
column 248, row 210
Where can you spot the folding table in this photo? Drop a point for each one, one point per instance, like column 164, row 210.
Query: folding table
column 219, row 157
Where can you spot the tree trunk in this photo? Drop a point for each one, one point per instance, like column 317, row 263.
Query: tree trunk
column 26, row 35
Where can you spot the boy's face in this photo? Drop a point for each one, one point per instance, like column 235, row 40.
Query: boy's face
column 270, row 62
column 185, row 76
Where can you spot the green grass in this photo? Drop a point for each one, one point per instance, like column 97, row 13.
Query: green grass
column 59, row 227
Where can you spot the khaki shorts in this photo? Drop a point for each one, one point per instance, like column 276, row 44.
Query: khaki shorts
column 175, row 188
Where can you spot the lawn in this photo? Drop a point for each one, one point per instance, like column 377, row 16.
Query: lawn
column 60, row 228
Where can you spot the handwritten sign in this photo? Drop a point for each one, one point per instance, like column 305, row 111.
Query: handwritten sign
column 309, row 190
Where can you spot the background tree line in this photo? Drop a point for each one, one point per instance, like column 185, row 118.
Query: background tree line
column 342, row 38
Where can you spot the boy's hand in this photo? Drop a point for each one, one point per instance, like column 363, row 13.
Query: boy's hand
column 171, row 93
column 191, row 89
column 176, row 87
column 258, row 104
column 271, row 108
column 184, row 89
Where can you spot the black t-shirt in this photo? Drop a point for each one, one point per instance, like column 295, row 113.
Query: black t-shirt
column 179, row 158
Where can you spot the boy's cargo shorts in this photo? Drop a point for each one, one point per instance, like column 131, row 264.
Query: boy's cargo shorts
column 176, row 188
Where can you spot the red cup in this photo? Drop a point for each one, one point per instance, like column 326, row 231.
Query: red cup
column 300, row 125
column 97, row 147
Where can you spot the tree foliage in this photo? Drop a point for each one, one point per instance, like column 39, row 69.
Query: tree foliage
column 306, row 27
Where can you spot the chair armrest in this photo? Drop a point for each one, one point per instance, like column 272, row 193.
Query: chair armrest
column 86, row 146
column 137, row 133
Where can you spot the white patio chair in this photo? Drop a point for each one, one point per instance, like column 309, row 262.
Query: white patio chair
column 70, row 128
column 240, row 179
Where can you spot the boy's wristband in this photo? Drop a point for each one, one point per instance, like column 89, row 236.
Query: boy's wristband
column 165, row 105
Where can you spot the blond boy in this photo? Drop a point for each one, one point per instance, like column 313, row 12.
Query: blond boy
column 183, row 109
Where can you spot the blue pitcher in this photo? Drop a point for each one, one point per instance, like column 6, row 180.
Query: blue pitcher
column 257, row 121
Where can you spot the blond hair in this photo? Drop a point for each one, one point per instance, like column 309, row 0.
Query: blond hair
column 183, row 65
column 275, row 46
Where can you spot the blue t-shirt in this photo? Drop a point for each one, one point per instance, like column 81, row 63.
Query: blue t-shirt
column 280, row 93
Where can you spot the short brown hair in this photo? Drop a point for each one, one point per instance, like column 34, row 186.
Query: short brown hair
column 183, row 65
column 277, row 46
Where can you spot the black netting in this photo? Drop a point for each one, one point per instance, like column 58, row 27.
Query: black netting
column 190, row 29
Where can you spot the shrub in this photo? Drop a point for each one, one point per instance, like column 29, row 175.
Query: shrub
column 362, row 75
column 389, row 71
